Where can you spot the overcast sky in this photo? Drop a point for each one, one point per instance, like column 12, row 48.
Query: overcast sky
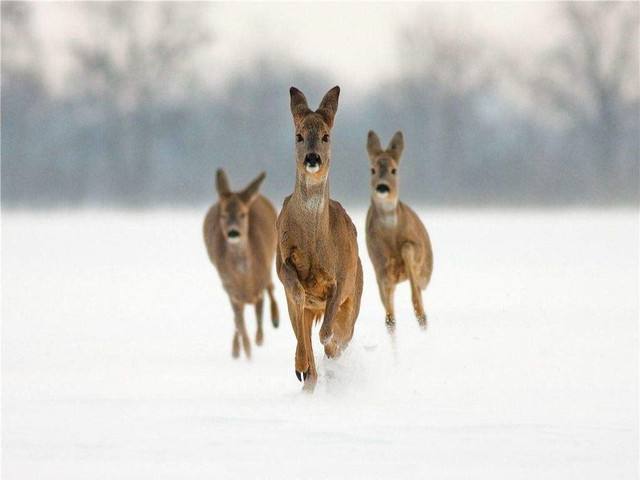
column 355, row 42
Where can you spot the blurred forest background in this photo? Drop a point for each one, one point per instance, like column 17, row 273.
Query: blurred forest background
column 137, row 123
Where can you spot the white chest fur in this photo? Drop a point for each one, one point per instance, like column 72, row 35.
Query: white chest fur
column 388, row 214
column 314, row 203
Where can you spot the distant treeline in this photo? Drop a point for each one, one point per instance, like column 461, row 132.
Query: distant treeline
column 136, row 125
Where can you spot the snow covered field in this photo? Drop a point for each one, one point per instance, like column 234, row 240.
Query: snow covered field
column 116, row 340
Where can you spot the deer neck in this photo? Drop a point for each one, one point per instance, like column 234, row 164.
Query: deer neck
column 312, row 202
column 386, row 211
column 238, row 254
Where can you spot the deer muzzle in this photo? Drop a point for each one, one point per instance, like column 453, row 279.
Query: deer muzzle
column 233, row 235
column 382, row 190
column 312, row 162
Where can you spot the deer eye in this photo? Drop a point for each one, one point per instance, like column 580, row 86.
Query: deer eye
column 393, row 171
column 299, row 138
column 373, row 171
column 325, row 138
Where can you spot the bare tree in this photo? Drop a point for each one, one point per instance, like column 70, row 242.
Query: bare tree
column 18, row 42
column 142, row 54
column 447, row 68
column 135, row 125
column 591, row 77
column 23, row 97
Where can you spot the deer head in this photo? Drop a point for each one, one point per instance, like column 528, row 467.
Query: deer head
column 384, row 168
column 234, row 207
column 313, row 134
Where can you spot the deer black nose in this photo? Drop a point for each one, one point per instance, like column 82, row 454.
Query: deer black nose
column 233, row 233
column 312, row 160
column 382, row 188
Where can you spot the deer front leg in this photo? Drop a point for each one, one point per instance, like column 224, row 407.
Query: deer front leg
column 387, row 288
column 295, row 304
column 331, row 308
column 310, row 376
column 241, row 330
column 259, row 333
column 342, row 330
column 408, row 256
column 301, row 362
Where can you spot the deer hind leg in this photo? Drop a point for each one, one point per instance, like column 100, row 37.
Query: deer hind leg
column 241, row 329
column 235, row 346
column 411, row 267
column 387, row 289
column 259, row 333
column 275, row 316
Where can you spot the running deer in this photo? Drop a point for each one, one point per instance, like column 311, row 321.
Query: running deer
column 240, row 236
column 397, row 241
column 317, row 258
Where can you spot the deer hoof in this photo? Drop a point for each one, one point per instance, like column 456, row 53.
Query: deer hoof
column 390, row 322
column 422, row 321
column 309, row 384
column 301, row 376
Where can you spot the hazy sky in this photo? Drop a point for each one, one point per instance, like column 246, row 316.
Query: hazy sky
column 355, row 42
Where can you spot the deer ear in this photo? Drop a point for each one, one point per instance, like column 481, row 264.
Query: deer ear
column 329, row 105
column 299, row 107
column 373, row 145
column 250, row 193
column 396, row 146
column 222, row 183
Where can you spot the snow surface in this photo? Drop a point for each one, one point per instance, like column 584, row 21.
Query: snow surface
column 117, row 339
